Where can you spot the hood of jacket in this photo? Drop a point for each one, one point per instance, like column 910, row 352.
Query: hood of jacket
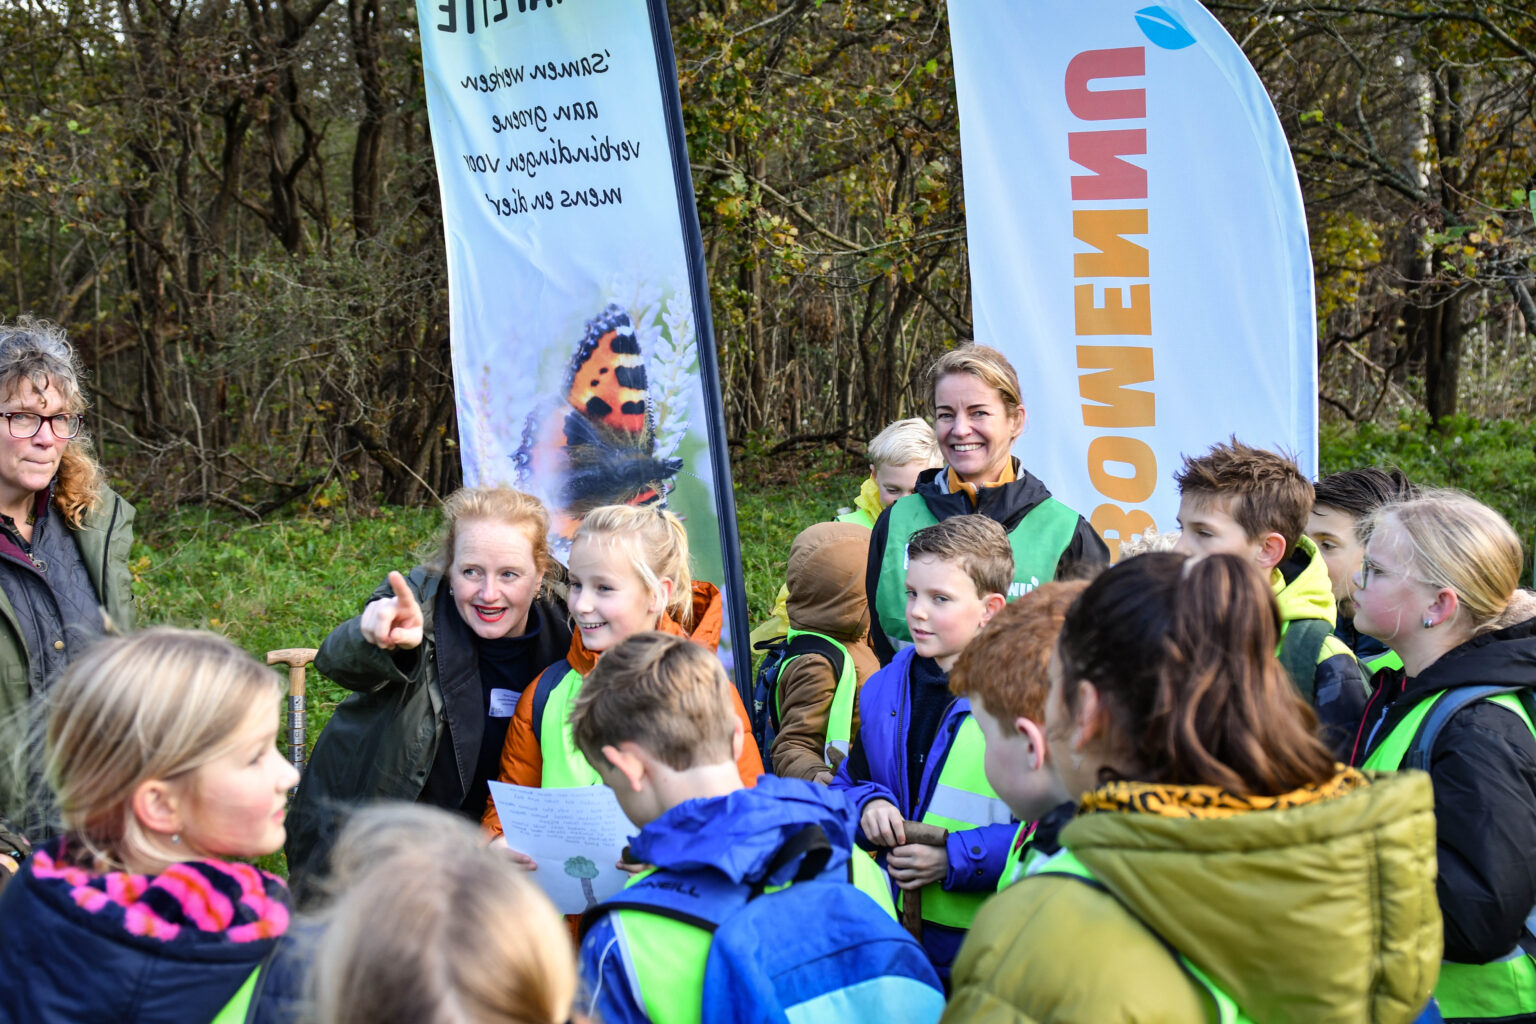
column 1317, row 909
column 119, row 946
column 738, row 834
column 826, row 580
column 1307, row 593
column 1007, row 503
column 708, row 620
column 868, row 500
column 1505, row 655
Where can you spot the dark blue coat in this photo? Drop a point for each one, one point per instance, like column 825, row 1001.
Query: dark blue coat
column 62, row 963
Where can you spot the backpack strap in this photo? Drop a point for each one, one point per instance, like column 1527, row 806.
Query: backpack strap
column 811, row 846
column 712, row 893
column 1422, row 746
column 1299, row 648
column 541, row 692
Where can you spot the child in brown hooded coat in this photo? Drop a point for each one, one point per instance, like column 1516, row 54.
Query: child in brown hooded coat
column 826, row 586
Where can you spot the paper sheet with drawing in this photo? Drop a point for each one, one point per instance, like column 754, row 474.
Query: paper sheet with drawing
column 575, row 835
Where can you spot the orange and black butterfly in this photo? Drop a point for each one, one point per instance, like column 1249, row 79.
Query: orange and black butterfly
column 599, row 439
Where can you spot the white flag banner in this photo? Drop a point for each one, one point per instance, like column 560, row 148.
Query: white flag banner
column 1138, row 247
column 583, row 354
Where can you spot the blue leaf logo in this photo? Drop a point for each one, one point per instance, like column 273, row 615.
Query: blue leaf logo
column 1163, row 29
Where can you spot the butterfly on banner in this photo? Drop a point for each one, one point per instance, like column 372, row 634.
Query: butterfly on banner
column 598, row 439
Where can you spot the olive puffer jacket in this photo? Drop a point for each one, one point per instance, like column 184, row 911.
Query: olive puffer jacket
column 1321, row 912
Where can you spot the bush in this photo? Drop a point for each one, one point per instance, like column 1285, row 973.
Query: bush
column 1494, row 461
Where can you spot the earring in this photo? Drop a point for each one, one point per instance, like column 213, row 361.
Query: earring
column 175, row 837
column 1429, row 624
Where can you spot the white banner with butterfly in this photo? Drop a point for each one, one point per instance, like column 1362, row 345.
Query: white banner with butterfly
column 1138, row 246
column 582, row 353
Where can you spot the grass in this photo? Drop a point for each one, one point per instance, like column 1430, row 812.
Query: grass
column 271, row 585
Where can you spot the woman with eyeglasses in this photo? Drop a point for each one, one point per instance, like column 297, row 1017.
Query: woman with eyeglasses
column 64, row 540
column 1438, row 584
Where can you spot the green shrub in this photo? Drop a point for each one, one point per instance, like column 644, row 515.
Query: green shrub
column 1494, row 461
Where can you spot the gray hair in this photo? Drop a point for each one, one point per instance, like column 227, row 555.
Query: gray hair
column 38, row 351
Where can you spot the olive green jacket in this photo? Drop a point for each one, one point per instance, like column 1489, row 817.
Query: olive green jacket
column 105, row 537
column 1321, row 913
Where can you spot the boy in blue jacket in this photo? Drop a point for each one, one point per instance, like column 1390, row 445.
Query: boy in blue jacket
column 655, row 718
column 919, row 754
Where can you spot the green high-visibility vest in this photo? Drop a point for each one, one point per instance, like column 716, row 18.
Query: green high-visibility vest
column 1387, row 660
column 565, row 766
column 1020, row 856
column 858, row 517
column 239, row 1005
column 1505, row 987
column 840, row 718
column 664, row 958
column 1065, row 862
column 1038, row 541
column 962, row 799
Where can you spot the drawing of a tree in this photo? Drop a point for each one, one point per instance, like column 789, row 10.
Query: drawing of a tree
column 584, row 869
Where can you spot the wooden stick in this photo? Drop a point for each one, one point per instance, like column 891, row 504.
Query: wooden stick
column 912, row 899
column 295, row 658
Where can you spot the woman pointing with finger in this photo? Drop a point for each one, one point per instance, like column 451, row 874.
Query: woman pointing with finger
column 437, row 661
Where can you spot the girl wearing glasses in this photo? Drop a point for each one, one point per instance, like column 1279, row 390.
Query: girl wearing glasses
column 1438, row 584
column 64, row 539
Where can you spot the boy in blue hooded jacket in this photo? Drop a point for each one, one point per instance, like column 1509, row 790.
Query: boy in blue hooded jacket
column 655, row 719
column 920, row 754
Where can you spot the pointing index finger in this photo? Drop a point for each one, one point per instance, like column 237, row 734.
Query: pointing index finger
column 402, row 591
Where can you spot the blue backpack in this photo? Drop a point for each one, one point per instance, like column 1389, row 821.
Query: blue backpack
column 815, row 951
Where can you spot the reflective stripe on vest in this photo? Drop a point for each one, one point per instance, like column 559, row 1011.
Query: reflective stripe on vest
column 664, row 958
column 962, row 799
column 1038, row 541
column 1065, row 862
column 564, row 765
column 840, row 718
column 1501, row 988
column 239, row 1005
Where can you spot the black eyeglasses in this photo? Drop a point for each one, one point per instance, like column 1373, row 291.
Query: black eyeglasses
column 65, row 425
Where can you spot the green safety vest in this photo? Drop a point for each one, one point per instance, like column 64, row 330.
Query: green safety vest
column 1389, row 660
column 1038, row 541
column 664, row 958
column 1505, row 987
column 1020, row 857
column 858, row 517
column 1065, row 862
column 840, row 718
column 962, row 799
column 239, row 1005
column 565, row 766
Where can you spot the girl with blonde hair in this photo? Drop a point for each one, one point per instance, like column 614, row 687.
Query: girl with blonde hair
column 431, row 926
column 438, row 661
column 1438, row 585
column 629, row 572
column 161, row 751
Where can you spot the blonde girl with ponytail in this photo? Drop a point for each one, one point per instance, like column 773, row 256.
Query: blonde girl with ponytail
column 629, row 572
column 161, row 752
